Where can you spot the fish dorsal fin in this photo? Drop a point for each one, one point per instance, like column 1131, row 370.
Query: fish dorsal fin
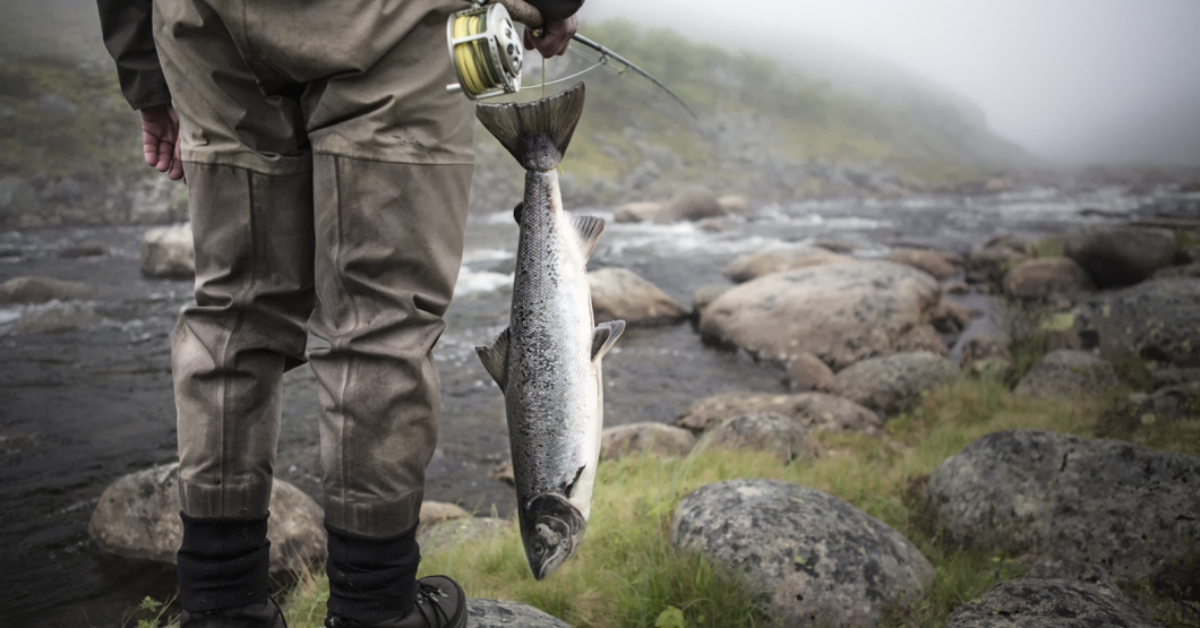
column 495, row 357
column 588, row 228
column 605, row 336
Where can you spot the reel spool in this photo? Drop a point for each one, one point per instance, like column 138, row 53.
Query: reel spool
column 486, row 50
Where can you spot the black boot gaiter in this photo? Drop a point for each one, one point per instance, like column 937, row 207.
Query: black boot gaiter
column 372, row 580
column 223, row 562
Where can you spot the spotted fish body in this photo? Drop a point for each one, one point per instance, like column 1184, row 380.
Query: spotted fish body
column 548, row 360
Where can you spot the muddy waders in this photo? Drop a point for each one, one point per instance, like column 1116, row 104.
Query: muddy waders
column 328, row 175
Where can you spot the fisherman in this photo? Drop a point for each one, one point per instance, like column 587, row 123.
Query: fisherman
column 328, row 174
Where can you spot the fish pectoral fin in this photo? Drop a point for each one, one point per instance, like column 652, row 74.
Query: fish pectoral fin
column 588, row 228
column 495, row 357
column 605, row 336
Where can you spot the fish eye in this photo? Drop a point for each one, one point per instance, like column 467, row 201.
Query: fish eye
column 539, row 549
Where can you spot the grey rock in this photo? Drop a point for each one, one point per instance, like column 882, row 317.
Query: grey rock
column 705, row 295
column 836, row 246
column 690, row 205
column 951, row 316
column 1156, row 320
column 1041, row 279
column 1187, row 271
column 168, row 252
column 18, row 197
column 138, row 517
column 922, row 338
column 990, row 264
column 32, row 290
column 956, row 287
column 1120, row 255
column 806, row 373
column 500, row 614
column 735, row 205
column 815, row 411
column 783, row 437
column 87, row 248
column 1060, row 569
column 719, row 224
column 1162, row 407
column 1009, row 241
column 895, row 383
column 840, row 313
column 620, row 294
column 1068, row 374
column 661, row 439
column 1051, row 603
column 821, row 561
column 57, row 105
column 935, row 263
column 1108, row 503
column 637, row 212
column 984, row 354
column 756, row 265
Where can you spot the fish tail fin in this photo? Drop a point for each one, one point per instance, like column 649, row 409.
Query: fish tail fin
column 536, row 133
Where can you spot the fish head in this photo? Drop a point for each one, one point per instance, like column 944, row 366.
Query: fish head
column 551, row 529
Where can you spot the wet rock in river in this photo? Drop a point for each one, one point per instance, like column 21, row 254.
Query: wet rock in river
column 1052, row 603
column 836, row 246
column 1155, row 320
column 33, row 290
column 1068, row 374
column 895, row 383
column 756, row 265
column 1121, row 255
column 821, row 561
column 637, row 212
column 937, row 263
column 168, row 252
column 815, row 411
column 87, row 248
column 1109, row 503
column 502, row 614
column 735, row 205
column 840, row 313
column 806, row 373
column 1042, row 279
column 705, row 295
column 620, row 294
column 689, row 205
column 983, row 355
column 661, row 439
column 785, row 438
column 138, row 517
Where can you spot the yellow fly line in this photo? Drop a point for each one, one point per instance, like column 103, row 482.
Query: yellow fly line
column 473, row 59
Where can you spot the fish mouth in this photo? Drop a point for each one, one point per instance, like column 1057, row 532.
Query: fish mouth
column 552, row 530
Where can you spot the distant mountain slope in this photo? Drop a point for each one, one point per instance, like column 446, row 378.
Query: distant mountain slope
column 70, row 147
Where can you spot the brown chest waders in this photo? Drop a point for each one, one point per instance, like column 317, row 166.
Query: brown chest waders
column 328, row 175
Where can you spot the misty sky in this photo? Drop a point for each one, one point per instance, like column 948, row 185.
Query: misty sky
column 1072, row 80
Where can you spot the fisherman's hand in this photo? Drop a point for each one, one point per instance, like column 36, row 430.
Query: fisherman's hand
column 554, row 38
column 160, row 140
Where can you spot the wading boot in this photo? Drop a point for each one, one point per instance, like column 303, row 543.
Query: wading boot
column 441, row 603
column 265, row 614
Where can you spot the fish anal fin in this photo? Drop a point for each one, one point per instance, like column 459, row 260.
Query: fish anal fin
column 495, row 357
column 588, row 228
column 605, row 336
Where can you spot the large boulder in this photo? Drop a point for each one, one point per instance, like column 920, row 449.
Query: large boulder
column 704, row 295
column 1109, row 503
column 1041, row 279
column 1068, row 374
column 31, row 290
column 1156, row 320
column 756, row 265
column 1052, row 603
column 138, row 517
column 805, row 373
column 637, row 212
column 661, row 439
column 783, row 437
column 1121, row 255
column 895, row 383
column 815, row 411
column 839, row 313
column 940, row 265
column 689, row 205
column 821, row 561
column 735, row 205
column 501, row 614
column 168, row 252
column 620, row 294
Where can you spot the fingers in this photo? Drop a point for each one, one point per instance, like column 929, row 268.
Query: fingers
column 555, row 37
column 161, row 142
column 176, row 172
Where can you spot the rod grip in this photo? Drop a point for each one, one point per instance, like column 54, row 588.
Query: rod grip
column 522, row 12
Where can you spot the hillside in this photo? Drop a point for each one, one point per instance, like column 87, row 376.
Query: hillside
column 70, row 153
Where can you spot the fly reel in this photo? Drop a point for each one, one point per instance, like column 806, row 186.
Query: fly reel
column 486, row 50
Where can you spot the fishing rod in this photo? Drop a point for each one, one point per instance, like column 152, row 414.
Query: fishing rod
column 488, row 55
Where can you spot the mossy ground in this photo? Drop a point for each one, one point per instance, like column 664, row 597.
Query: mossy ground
column 627, row 575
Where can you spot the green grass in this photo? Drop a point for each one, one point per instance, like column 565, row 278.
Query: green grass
column 626, row 574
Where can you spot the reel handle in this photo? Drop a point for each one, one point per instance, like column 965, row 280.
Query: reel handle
column 522, row 12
